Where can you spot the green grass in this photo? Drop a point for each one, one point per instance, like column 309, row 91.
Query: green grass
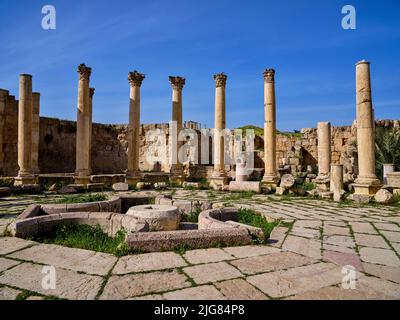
column 193, row 216
column 86, row 237
column 6, row 182
column 252, row 218
column 257, row 130
column 82, row 198
column 239, row 195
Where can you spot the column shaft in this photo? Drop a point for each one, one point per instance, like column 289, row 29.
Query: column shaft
column 324, row 148
column 90, row 120
column 35, row 132
column 219, row 124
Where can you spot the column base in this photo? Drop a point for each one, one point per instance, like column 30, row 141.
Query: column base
column 132, row 178
column 270, row 181
column 218, row 180
column 366, row 189
column 81, row 180
column 24, row 180
column 323, row 182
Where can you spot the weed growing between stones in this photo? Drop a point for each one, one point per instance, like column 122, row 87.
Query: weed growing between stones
column 252, row 218
column 239, row 195
column 86, row 237
column 82, row 198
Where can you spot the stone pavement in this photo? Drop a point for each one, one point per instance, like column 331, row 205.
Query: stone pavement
column 304, row 259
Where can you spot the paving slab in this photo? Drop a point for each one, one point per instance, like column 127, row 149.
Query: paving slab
column 308, row 247
column 148, row 297
column 239, row 289
column 277, row 236
column 305, row 232
column 380, row 286
column 148, row 262
column 343, row 259
column 131, row 285
column 379, row 256
column 69, row 284
column 391, row 235
column 207, row 255
column 297, row 280
column 7, row 264
column 334, row 230
column 250, row 251
column 81, row 260
column 331, row 247
column 11, row 244
column 369, row 240
column 384, row 272
column 313, row 224
column 387, row 226
column 212, row 272
column 341, row 241
column 271, row 262
column 363, row 227
column 207, row 292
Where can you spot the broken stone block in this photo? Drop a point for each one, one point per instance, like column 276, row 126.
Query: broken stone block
column 287, row 181
column 384, row 196
column 120, row 186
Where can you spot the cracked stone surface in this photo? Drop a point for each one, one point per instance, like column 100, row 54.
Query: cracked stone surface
column 303, row 259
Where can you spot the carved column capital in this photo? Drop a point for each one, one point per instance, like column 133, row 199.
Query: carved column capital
column 84, row 72
column 135, row 78
column 269, row 75
column 220, row 79
column 177, row 83
column 91, row 92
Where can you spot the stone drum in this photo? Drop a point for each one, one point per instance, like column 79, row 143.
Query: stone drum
column 159, row 217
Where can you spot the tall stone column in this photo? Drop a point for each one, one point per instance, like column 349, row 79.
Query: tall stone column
column 367, row 182
column 177, row 84
column 35, row 132
column 324, row 155
column 25, row 110
column 90, row 119
column 3, row 97
column 270, row 175
column 219, row 176
column 82, row 173
column 133, row 174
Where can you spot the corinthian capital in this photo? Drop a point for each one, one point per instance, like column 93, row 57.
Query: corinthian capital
column 177, row 83
column 220, row 79
column 91, row 92
column 135, row 78
column 84, row 72
column 269, row 75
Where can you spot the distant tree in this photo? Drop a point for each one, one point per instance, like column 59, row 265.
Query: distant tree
column 387, row 142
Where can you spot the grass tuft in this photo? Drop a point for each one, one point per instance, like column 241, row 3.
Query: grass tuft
column 82, row 198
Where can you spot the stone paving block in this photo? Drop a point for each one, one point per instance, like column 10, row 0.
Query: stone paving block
column 333, row 230
column 396, row 247
column 35, row 298
column 308, row 247
column 343, row 259
column 277, row 236
column 212, row 272
column 271, row 262
column 379, row 256
column 11, row 244
column 363, row 227
column 148, row 262
column 69, row 284
column 239, row 289
column 148, row 297
column 81, row 260
column 250, row 251
column 8, row 293
column 7, row 264
column 297, row 280
column 131, row 285
column 384, row 272
column 338, row 249
column 305, row 232
column 391, row 235
column 335, row 223
column 380, row 286
column 341, row 241
column 313, row 224
column 207, row 255
column 207, row 292
column 369, row 240
column 387, row 226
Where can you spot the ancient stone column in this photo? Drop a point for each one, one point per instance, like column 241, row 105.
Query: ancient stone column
column 336, row 181
column 3, row 97
column 25, row 110
column 219, row 177
column 367, row 182
column 270, row 175
column 324, row 155
column 133, row 174
column 90, row 119
column 82, row 172
column 177, row 83
column 35, row 132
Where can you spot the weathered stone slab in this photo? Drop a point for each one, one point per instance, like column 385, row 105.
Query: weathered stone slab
column 313, row 224
column 239, row 289
column 8, row 244
column 250, row 251
column 207, row 292
column 120, row 186
column 277, row 236
column 306, row 247
column 8, row 293
column 305, row 232
column 387, row 226
column 384, row 272
column 207, row 255
column 369, row 240
column 297, row 280
column 236, row 186
column 131, row 285
column 90, row 262
column 333, row 230
column 383, row 287
column 271, row 262
column 69, row 284
column 363, row 227
column 391, row 236
column 343, row 259
column 341, row 241
column 212, row 272
column 379, row 256
column 148, row 297
column 338, row 249
column 7, row 264
column 148, row 262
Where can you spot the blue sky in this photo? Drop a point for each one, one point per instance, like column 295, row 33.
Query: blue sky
column 302, row 40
